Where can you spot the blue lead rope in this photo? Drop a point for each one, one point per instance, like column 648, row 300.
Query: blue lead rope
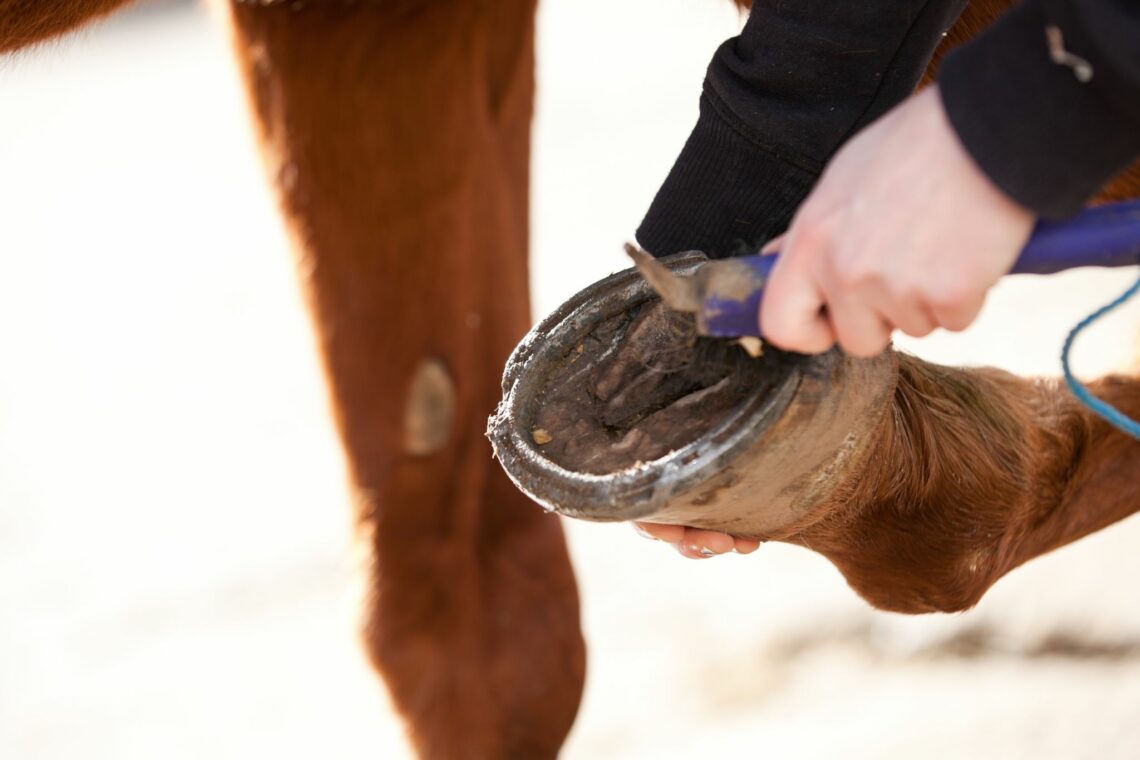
column 1109, row 412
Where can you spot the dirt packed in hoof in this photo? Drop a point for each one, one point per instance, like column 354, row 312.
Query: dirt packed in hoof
column 641, row 384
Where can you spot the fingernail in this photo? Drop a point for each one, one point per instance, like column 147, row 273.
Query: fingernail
column 644, row 533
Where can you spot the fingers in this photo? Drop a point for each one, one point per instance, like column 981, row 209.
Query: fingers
column 746, row 546
column 698, row 544
column 912, row 317
column 670, row 534
column 791, row 312
column 956, row 310
column 823, row 292
column 695, row 543
column 860, row 330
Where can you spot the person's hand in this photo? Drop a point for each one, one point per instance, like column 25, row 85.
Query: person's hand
column 903, row 231
column 694, row 543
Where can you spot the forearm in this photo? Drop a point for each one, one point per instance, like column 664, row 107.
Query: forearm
column 778, row 101
column 1047, row 102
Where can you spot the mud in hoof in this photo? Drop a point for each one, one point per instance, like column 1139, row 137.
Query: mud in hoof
column 641, row 384
column 615, row 409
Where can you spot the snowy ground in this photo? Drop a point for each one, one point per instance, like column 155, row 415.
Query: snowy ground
column 175, row 579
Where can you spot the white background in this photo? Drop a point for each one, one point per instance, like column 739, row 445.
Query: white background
column 175, row 567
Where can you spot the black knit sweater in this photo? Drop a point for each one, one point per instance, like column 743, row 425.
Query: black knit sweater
column 805, row 75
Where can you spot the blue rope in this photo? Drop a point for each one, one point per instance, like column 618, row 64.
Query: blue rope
column 1109, row 412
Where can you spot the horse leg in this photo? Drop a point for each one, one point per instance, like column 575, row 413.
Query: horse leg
column 25, row 23
column 397, row 136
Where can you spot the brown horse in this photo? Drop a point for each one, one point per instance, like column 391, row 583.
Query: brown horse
column 396, row 135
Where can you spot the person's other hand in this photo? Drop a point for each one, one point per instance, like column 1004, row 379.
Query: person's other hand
column 903, row 231
column 694, row 543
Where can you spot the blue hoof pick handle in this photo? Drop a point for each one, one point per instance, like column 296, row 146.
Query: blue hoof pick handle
column 725, row 294
column 1108, row 236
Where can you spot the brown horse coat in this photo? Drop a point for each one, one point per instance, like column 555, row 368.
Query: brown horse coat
column 396, row 136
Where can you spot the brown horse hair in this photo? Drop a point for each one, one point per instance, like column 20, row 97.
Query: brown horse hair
column 971, row 473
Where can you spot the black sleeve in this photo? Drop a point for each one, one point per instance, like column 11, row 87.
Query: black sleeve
column 778, row 101
column 1050, row 132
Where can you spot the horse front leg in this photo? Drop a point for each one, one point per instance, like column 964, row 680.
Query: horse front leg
column 397, row 136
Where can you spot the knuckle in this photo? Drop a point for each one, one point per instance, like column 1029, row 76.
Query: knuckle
column 811, row 234
column 905, row 290
column 854, row 273
column 805, row 241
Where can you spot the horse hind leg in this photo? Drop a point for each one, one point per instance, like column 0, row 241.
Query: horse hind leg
column 398, row 139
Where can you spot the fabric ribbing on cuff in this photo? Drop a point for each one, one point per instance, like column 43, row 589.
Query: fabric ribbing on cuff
column 725, row 193
column 1045, row 138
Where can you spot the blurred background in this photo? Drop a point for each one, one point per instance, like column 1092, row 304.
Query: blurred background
column 175, row 565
